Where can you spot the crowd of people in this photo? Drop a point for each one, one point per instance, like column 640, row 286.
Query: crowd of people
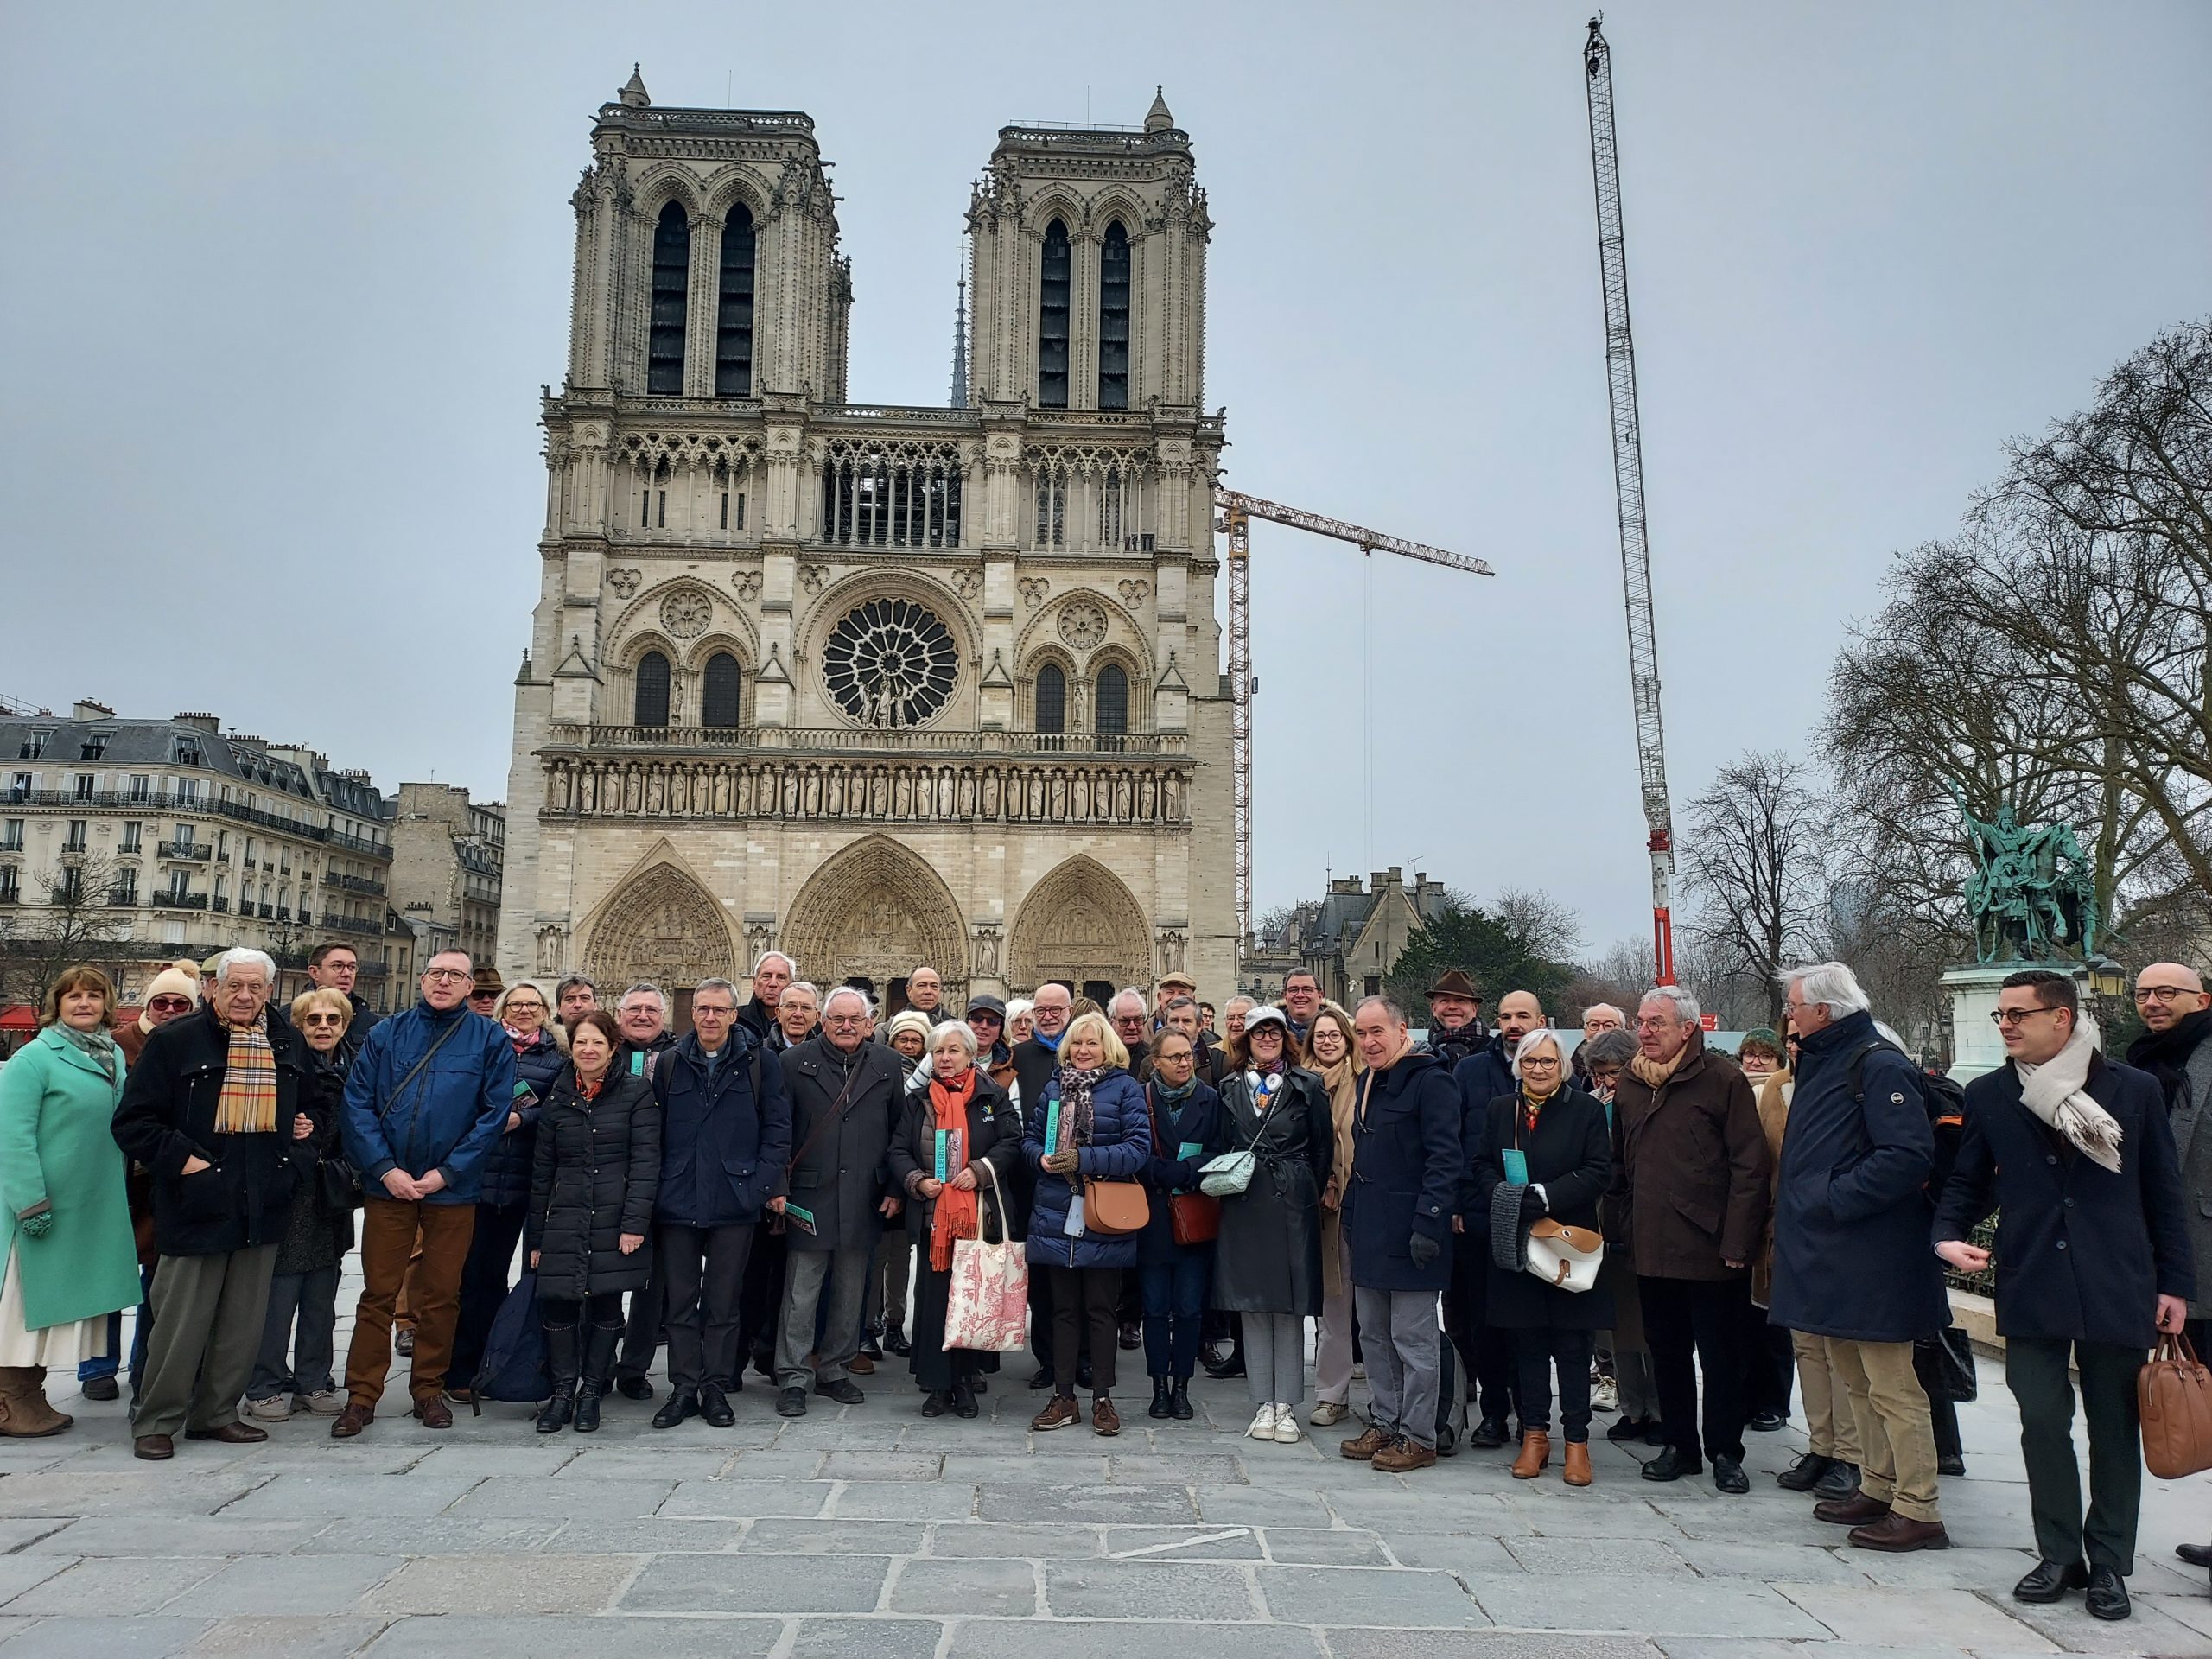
column 1493, row 1222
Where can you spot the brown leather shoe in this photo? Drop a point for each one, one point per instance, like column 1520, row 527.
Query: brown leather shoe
column 1371, row 1441
column 1060, row 1411
column 1104, row 1420
column 1898, row 1534
column 1403, row 1454
column 1857, row 1510
column 1536, row 1454
column 1578, row 1463
column 229, row 1435
column 433, row 1412
column 155, row 1448
column 351, row 1421
column 860, row 1365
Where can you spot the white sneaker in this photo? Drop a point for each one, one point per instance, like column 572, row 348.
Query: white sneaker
column 1287, row 1426
column 1328, row 1413
column 274, row 1409
column 1263, row 1424
column 323, row 1403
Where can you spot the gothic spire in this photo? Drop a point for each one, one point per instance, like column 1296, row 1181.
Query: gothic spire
column 634, row 91
column 1157, row 119
column 960, row 347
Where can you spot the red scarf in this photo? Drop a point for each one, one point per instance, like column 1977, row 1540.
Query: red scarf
column 958, row 1214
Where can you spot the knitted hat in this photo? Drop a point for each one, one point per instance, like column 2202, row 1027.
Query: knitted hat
column 908, row 1020
column 182, row 980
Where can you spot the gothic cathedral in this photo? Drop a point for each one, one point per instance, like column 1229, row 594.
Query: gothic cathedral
column 876, row 686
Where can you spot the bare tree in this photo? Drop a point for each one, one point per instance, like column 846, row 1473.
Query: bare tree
column 1755, row 864
column 1544, row 926
column 77, row 921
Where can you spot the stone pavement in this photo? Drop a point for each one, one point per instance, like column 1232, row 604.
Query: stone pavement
column 870, row 1531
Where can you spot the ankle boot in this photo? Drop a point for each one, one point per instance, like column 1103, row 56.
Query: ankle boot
column 1578, row 1463
column 1535, row 1453
column 561, row 1364
column 25, row 1412
column 1178, row 1399
column 597, row 1374
column 1160, row 1398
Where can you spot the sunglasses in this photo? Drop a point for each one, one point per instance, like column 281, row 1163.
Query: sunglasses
column 323, row 1019
column 169, row 1005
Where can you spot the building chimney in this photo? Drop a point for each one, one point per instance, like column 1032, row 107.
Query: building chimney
column 87, row 710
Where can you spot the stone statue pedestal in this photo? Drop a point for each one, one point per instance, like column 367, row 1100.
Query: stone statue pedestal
column 1975, row 1045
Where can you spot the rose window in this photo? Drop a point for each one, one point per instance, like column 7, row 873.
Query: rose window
column 890, row 662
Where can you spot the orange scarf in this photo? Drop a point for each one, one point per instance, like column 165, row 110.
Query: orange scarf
column 958, row 1214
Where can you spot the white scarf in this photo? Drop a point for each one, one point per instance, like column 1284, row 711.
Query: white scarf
column 2053, row 1092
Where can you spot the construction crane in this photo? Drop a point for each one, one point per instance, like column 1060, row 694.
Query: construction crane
column 1237, row 510
column 1628, row 493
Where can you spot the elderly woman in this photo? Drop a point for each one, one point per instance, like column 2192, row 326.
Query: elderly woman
column 1267, row 1264
column 1185, row 1115
column 955, row 1132
column 1551, row 1140
column 303, row 1289
column 67, row 1258
column 1020, row 1024
column 909, row 1034
column 1087, row 1124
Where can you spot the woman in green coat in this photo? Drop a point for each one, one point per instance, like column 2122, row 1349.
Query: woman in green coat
column 67, row 1258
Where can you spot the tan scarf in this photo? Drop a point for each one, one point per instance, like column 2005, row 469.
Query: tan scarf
column 1654, row 1073
column 248, row 1102
column 2057, row 1092
column 1343, row 1079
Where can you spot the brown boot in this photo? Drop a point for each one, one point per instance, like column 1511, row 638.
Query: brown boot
column 1535, row 1453
column 1578, row 1463
column 25, row 1413
column 1370, row 1442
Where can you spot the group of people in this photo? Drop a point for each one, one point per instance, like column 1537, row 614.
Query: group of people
column 1487, row 1217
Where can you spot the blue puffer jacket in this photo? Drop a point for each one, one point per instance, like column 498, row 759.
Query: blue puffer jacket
column 449, row 1115
column 1118, row 1150
column 507, row 1166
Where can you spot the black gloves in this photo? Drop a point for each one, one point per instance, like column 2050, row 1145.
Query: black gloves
column 1532, row 1204
column 1423, row 1249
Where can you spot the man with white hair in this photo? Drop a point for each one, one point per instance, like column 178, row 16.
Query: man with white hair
column 1694, row 1173
column 1852, row 1267
column 1597, row 1019
column 212, row 1110
column 771, row 975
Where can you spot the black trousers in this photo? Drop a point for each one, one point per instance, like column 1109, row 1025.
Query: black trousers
column 1773, row 1370
column 760, row 1302
column 1485, row 1351
column 1534, row 1353
column 1704, row 1318
column 484, row 1284
column 704, row 1270
column 647, row 1324
column 936, row 1368
column 2035, row 1370
column 1083, row 1298
column 1041, row 1318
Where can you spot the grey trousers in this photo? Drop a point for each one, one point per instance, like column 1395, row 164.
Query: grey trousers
column 208, row 1313
column 1398, row 1334
column 1275, row 1359
column 806, row 1272
column 311, row 1299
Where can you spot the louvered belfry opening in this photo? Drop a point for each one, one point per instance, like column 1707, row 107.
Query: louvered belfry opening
column 1053, row 319
column 672, row 271
column 734, row 314
column 1114, row 319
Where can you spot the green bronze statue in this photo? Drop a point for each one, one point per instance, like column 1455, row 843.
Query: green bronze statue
column 2032, row 894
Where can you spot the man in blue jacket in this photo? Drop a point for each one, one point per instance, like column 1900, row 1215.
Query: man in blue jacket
column 425, row 1100
column 2076, row 1154
column 1852, row 1270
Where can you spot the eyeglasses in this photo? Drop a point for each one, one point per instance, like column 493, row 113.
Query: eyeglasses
column 707, row 1010
column 2161, row 993
column 323, row 1019
column 1540, row 1063
column 169, row 1005
column 514, row 1007
column 2015, row 1016
column 444, row 974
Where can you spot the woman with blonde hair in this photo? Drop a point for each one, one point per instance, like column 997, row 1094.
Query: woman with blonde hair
column 1330, row 1054
column 68, row 1257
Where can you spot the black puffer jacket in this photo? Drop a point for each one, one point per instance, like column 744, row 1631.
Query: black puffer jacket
column 507, row 1167
column 597, row 1168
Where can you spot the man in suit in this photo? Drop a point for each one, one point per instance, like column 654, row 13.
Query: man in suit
column 2076, row 1154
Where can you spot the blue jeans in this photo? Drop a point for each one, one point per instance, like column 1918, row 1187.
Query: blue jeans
column 1174, row 1302
column 109, row 1363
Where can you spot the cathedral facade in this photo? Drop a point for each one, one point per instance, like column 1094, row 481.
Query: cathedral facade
column 876, row 686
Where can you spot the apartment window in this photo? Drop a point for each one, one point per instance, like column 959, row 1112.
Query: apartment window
column 141, row 788
column 19, row 787
column 131, row 832
column 1053, row 319
column 33, row 745
column 11, row 836
column 11, row 891
column 125, row 891
column 1114, row 318
column 187, row 791
column 75, row 843
column 71, row 888
column 671, row 272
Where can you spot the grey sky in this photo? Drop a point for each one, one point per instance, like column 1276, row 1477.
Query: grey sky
column 281, row 282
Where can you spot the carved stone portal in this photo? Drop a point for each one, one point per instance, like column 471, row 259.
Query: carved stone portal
column 1080, row 923
column 877, row 910
column 663, row 927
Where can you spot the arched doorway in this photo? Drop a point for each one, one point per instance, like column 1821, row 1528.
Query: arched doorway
column 662, row 928
column 1081, row 925
column 875, row 912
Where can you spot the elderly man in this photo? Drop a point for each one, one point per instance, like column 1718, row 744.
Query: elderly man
column 574, row 997
column 1302, row 1001
column 798, row 1016
column 1407, row 1172
column 1165, row 991
column 1455, row 1023
column 1597, row 1019
column 770, row 975
column 643, row 1017
column 798, row 1020
column 925, row 993
column 425, row 1101
column 1852, row 1270
column 212, row 1110
column 333, row 966
column 845, row 1095
column 2076, row 1157
column 1126, row 1012
column 1182, row 1014
column 1691, row 1169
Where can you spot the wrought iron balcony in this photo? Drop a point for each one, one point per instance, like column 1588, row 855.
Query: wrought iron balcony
column 195, row 852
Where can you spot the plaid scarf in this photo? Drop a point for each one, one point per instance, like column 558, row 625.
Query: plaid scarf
column 248, row 1102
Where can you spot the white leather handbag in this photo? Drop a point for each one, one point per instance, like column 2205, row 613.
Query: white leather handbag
column 1566, row 1258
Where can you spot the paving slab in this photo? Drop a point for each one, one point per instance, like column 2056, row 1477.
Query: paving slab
column 299, row 1494
column 1041, row 1542
column 251, row 1638
column 984, row 1638
column 1644, row 1606
column 438, row 1535
column 866, row 1638
column 976, row 1588
column 1630, row 1557
column 902, row 1500
column 741, row 1500
column 2068, row 1626
column 108, row 1586
column 181, row 1493
column 1403, row 1597
column 478, row 1585
column 463, row 1637
column 305, row 1585
column 109, row 1637
column 777, row 1583
column 1487, row 1644
column 882, row 1465
column 529, row 1496
column 175, row 1535
column 1183, row 1544
column 588, row 1534
column 785, row 1535
column 1148, row 1590
column 20, row 1573
column 1895, row 1618
column 1106, row 1506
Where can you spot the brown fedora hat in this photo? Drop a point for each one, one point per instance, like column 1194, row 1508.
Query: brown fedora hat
column 1455, row 983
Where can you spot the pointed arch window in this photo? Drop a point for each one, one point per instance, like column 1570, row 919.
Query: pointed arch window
column 652, row 705
column 734, row 317
column 1113, row 701
column 1052, row 699
column 1114, row 319
column 719, row 699
column 1053, row 319
column 672, row 273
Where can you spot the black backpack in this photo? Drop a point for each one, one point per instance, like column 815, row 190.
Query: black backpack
column 1944, row 1100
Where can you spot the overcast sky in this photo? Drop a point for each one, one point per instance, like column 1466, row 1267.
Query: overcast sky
column 280, row 284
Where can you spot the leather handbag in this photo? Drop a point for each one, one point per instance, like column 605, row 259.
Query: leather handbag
column 1193, row 1217
column 1114, row 1209
column 1566, row 1258
column 2174, row 1393
column 1944, row 1364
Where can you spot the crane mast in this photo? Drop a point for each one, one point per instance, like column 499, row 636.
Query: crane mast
column 1628, row 492
column 1237, row 510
